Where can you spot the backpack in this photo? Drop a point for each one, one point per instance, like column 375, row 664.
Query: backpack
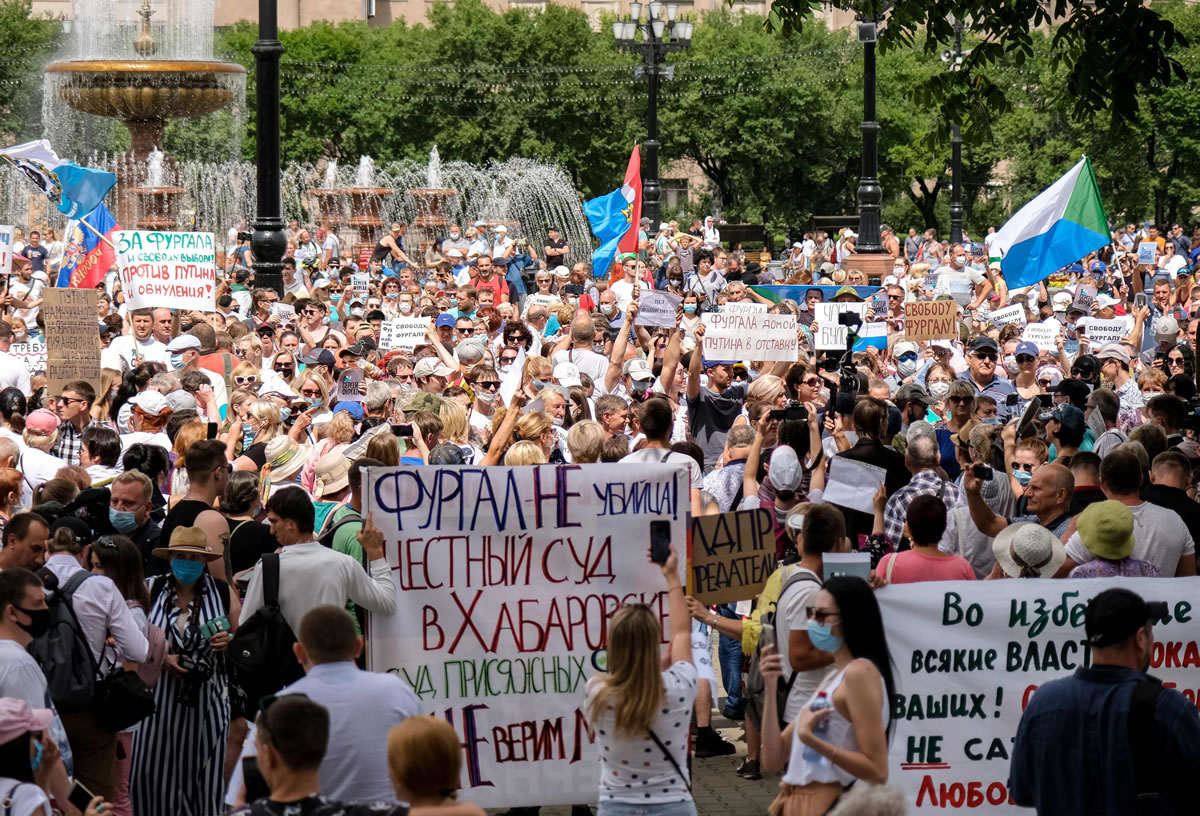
column 63, row 651
column 261, row 660
column 327, row 535
column 755, row 686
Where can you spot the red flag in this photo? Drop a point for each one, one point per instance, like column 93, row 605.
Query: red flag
column 633, row 194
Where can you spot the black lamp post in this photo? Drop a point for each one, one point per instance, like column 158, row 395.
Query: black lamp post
column 659, row 37
column 870, row 194
column 956, row 205
column 269, row 241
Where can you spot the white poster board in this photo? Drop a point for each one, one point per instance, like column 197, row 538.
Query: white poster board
column 33, row 355
column 1100, row 332
column 830, row 334
column 1009, row 314
column 173, row 269
column 750, row 336
column 506, row 579
column 1042, row 335
column 742, row 308
column 657, row 308
column 402, row 333
column 1146, row 252
column 6, row 249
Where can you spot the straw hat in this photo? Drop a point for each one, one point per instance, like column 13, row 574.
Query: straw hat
column 187, row 540
column 1028, row 550
column 285, row 457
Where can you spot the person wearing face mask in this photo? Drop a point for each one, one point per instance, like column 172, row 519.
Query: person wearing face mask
column 1109, row 722
column 208, row 472
column 185, row 356
column 178, row 752
column 129, row 506
column 906, row 356
column 968, row 286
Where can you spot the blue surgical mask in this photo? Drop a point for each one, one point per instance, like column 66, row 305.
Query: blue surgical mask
column 822, row 638
column 187, row 572
column 1022, row 477
column 248, row 434
column 993, row 420
column 38, row 750
column 336, row 297
column 177, row 362
column 285, row 413
column 689, row 307
column 538, row 384
column 123, row 521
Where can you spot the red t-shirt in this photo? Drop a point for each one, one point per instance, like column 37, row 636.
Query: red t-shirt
column 912, row 566
column 497, row 284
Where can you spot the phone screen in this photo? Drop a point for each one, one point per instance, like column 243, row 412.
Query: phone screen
column 660, row 541
column 80, row 797
column 212, row 430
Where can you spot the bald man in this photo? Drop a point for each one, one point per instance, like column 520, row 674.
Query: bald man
column 1047, row 501
column 582, row 348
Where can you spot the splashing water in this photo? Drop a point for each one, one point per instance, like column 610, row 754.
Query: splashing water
column 106, row 29
column 365, row 175
column 433, row 173
column 154, row 168
column 331, row 174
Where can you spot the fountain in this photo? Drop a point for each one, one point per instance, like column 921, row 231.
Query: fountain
column 362, row 207
column 433, row 201
column 158, row 203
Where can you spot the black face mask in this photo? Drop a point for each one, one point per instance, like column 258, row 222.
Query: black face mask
column 39, row 621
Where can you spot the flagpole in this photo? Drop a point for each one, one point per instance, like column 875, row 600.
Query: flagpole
column 83, row 220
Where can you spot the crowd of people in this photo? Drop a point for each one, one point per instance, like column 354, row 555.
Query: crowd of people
column 208, row 485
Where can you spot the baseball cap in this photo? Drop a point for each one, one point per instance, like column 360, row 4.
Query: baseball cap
column 562, row 272
column 567, row 374
column 1069, row 417
column 17, row 718
column 500, row 228
column 1115, row 614
column 1165, row 328
column 1103, row 301
column 1106, row 529
column 151, row 402
column 983, row 343
column 181, row 401
column 1074, row 390
column 1061, row 301
column 355, row 350
column 183, row 342
column 432, row 366
column 785, row 471
column 638, row 370
column 904, row 347
column 354, row 409
column 445, row 321
column 1114, row 351
column 319, row 357
column 423, row 401
column 1025, row 347
column 713, row 363
column 913, row 392
column 44, row 422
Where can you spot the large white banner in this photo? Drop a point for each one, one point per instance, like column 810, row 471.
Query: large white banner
column 750, row 336
column 173, row 269
column 507, row 577
column 967, row 657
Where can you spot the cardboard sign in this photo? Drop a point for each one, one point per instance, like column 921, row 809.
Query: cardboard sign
column 1009, row 314
column 1085, row 296
column 33, row 355
column 750, row 337
column 173, row 269
column 6, row 249
column 506, row 579
column 740, row 308
column 1147, row 251
column 730, row 555
column 1101, row 332
column 402, row 333
column 970, row 655
column 1042, row 335
column 360, row 286
column 348, row 387
column 831, row 334
column 930, row 319
column 657, row 308
column 72, row 341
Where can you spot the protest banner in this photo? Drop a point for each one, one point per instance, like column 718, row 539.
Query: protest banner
column 930, row 319
column 284, row 311
column 173, row 269
column 506, row 579
column 968, row 656
column 538, row 299
column 1146, row 253
column 1085, row 296
column 1009, row 314
column 1042, row 335
column 750, row 336
column 72, row 341
column 739, row 308
column 402, row 333
column 730, row 555
column 872, row 334
column 831, row 334
column 364, row 255
column 1099, row 332
column 656, row 308
column 348, row 389
column 33, row 355
column 360, row 286
column 6, row 249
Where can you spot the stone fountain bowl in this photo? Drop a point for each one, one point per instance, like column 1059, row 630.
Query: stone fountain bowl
column 135, row 90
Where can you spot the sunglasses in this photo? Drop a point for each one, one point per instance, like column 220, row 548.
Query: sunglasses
column 820, row 615
column 490, row 385
column 1028, row 468
column 467, row 332
column 1044, row 383
column 283, row 369
column 895, row 297
column 1174, row 362
column 507, row 360
column 1025, row 358
column 69, row 400
column 812, row 382
column 960, row 400
column 309, row 392
column 907, row 357
column 985, row 355
column 246, row 379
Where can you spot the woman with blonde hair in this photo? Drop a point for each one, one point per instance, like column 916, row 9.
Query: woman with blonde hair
column 312, row 387
column 536, row 375
column 110, row 381
column 456, row 429
column 247, row 376
column 384, row 447
column 191, row 433
column 585, row 441
column 249, row 349
column 525, row 453
column 424, row 763
column 538, row 427
column 262, row 424
column 640, row 713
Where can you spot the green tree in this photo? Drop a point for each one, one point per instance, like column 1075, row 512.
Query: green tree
column 28, row 43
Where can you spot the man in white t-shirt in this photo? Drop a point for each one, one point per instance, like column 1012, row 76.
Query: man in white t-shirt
column 25, row 289
column 623, row 288
column 141, row 345
column 656, row 419
column 581, row 352
column 967, row 285
column 13, row 372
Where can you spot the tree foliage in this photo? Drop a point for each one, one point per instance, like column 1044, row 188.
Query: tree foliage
column 28, row 43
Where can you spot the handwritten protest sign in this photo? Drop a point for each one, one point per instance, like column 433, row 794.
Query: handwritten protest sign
column 1042, row 335
column 348, row 387
column 1085, row 296
column 360, row 285
column 969, row 654
column 830, row 334
column 285, row 311
column 33, row 355
column 1099, row 332
column 6, row 249
column 402, row 333
column 750, row 336
column 1147, row 250
column 507, row 577
column 1009, row 314
column 538, row 299
column 730, row 555
column 930, row 319
column 740, row 308
column 173, row 269
column 72, row 342
column 656, row 308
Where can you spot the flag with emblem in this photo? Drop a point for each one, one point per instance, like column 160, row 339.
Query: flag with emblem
column 615, row 218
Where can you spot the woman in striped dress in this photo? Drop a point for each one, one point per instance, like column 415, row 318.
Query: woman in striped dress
column 179, row 752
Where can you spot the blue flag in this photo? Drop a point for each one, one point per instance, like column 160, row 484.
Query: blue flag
column 83, row 188
column 610, row 216
column 87, row 257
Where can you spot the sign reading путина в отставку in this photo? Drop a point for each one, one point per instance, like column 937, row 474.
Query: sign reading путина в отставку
column 507, row 577
column 173, row 269
column 968, row 655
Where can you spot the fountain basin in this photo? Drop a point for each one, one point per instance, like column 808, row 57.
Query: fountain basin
column 158, row 207
column 139, row 90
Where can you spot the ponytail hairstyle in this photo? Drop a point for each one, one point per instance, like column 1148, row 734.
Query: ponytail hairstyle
column 13, row 408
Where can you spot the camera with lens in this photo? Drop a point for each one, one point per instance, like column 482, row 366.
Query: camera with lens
column 849, row 319
column 793, row 410
column 245, row 236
